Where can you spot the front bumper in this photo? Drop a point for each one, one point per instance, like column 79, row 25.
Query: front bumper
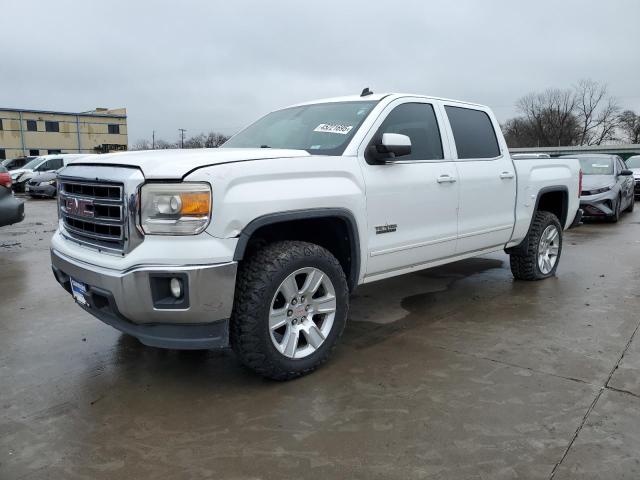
column 600, row 205
column 636, row 188
column 128, row 301
column 40, row 190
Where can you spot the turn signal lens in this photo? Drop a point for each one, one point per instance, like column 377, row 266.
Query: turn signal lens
column 195, row 203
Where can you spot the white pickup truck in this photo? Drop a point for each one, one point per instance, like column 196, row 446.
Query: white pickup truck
column 257, row 245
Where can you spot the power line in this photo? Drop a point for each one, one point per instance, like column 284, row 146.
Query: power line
column 182, row 130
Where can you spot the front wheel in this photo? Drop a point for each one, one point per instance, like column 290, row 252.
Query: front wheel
column 616, row 211
column 290, row 309
column 543, row 247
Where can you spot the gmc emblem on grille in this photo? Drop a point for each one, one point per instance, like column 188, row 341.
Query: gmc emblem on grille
column 79, row 207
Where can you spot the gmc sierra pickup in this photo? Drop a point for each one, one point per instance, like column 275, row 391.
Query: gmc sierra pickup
column 257, row 245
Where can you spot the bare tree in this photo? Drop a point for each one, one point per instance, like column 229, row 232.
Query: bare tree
column 550, row 115
column 630, row 126
column 164, row 145
column 215, row 139
column 142, row 144
column 597, row 113
column 209, row 140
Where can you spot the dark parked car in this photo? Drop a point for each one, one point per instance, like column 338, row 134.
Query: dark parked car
column 14, row 163
column 42, row 185
column 607, row 186
column 11, row 209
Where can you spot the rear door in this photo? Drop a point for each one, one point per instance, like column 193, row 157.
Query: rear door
column 487, row 179
column 412, row 202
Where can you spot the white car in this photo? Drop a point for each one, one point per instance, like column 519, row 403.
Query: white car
column 633, row 164
column 257, row 245
column 44, row 163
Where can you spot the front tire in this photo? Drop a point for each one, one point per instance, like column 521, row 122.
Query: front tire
column 616, row 211
column 543, row 247
column 290, row 309
column 632, row 204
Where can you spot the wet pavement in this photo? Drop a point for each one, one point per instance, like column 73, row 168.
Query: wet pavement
column 456, row 372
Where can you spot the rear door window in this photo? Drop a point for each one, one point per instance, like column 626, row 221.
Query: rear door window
column 473, row 133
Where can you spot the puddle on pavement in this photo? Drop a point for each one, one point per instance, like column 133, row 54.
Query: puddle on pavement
column 383, row 308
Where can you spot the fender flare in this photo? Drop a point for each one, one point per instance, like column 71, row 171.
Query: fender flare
column 523, row 247
column 305, row 214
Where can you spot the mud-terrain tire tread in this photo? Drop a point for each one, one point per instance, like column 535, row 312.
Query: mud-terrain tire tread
column 254, row 289
column 525, row 266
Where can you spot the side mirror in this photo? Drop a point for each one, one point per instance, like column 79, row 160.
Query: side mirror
column 394, row 145
column 626, row 172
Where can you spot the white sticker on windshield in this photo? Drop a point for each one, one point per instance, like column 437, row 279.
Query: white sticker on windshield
column 599, row 165
column 333, row 128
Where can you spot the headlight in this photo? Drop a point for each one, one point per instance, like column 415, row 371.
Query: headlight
column 601, row 190
column 50, row 182
column 175, row 208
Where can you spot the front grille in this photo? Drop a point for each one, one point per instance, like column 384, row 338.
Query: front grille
column 93, row 212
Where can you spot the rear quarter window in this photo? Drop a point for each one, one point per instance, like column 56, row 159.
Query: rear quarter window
column 473, row 133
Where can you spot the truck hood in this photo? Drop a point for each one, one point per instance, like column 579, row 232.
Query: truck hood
column 593, row 182
column 636, row 172
column 175, row 164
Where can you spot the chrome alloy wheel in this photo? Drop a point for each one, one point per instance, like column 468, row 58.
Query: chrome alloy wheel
column 302, row 312
column 548, row 249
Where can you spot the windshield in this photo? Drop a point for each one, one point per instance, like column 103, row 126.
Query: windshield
column 633, row 162
column 596, row 166
column 321, row 128
column 33, row 163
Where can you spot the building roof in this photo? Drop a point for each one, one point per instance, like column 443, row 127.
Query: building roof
column 98, row 112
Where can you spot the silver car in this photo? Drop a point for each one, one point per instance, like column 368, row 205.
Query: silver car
column 633, row 164
column 607, row 186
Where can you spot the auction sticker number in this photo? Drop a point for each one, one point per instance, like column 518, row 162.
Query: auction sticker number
column 333, row 128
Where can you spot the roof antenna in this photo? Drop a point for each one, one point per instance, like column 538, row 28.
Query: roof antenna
column 366, row 92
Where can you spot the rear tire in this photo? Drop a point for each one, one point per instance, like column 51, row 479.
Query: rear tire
column 529, row 266
column 262, row 285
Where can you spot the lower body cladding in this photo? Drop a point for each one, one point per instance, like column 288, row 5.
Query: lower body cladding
column 602, row 205
column 180, row 307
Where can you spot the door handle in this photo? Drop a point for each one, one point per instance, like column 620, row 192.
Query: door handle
column 505, row 175
column 445, row 179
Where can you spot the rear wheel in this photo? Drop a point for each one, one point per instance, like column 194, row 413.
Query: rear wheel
column 290, row 309
column 543, row 249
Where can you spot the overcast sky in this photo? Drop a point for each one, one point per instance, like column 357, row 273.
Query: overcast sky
column 217, row 65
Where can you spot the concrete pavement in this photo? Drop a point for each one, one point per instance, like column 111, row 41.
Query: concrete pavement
column 456, row 372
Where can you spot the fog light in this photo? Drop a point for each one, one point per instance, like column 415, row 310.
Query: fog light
column 176, row 287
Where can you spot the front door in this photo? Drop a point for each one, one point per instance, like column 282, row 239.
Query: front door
column 412, row 202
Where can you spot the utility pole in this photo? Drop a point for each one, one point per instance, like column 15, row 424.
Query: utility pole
column 182, row 130
column 153, row 140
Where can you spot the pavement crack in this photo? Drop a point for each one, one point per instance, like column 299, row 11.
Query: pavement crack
column 606, row 386
column 624, row 351
column 620, row 390
column 577, row 432
column 515, row 365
